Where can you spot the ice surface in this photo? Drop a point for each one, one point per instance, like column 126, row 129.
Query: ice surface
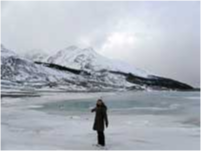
column 63, row 121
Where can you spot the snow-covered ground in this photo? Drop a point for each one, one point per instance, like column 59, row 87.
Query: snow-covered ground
column 63, row 121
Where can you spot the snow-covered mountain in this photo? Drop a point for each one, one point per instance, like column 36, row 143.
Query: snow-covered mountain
column 19, row 72
column 36, row 55
column 75, row 69
column 89, row 60
column 6, row 52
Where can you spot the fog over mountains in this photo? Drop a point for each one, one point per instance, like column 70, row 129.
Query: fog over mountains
column 77, row 69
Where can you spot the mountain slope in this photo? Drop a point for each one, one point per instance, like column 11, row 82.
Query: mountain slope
column 75, row 69
column 89, row 60
column 20, row 72
column 6, row 52
column 36, row 55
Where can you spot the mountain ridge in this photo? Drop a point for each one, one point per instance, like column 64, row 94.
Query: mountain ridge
column 79, row 69
column 89, row 59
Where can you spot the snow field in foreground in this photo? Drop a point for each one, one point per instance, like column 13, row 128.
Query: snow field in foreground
column 25, row 127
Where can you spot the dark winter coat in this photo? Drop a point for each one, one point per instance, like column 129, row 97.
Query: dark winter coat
column 100, row 118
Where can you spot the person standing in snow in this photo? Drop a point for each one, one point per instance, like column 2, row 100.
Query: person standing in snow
column 101, row 120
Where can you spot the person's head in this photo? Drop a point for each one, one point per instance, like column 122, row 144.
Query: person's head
column 99, row 102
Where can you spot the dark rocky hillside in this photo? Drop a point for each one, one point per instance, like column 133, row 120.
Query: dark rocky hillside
column 154, row 82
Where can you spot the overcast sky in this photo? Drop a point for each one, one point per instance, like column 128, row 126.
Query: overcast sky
column 160, row 37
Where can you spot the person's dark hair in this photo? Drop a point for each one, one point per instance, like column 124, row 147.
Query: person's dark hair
column 103, row 104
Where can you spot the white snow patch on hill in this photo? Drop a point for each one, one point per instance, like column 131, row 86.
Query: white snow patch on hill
column 90, row 60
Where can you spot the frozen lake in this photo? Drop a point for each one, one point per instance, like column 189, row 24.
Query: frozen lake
column 137, row 120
